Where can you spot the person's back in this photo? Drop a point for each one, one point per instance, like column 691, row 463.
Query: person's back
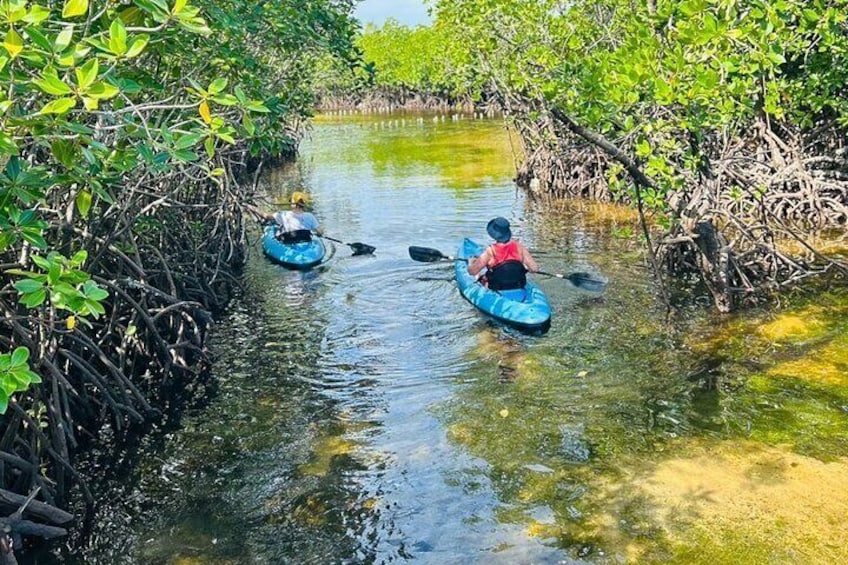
column 506, row 261
column 297, row 224
column 296, row 220
column 506, row 269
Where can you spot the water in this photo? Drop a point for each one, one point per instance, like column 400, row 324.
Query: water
column 366, row 413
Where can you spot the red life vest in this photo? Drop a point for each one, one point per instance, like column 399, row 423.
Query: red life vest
column 506, row 269
column 503, row 252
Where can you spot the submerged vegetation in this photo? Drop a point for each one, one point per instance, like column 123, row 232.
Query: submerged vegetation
column 723, row 444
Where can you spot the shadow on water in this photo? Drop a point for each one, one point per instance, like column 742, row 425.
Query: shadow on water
column 367, row 414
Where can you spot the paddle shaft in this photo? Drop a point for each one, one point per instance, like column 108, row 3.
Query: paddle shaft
column 583, row 280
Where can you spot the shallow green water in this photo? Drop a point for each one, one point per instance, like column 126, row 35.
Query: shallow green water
column 367, row 414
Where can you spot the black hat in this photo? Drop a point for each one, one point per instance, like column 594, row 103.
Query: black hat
column 498, row 229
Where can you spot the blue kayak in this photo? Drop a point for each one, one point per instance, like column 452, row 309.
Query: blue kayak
column 301, row 256
column 524, row 308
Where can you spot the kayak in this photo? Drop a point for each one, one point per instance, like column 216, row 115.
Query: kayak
column 525, row 308
column 303, row 255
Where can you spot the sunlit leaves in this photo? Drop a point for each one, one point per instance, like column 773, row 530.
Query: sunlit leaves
column 83, row 202
column 51, row 83
column 13, row 43
column 614, row 65
column 87, row 73
column 137, row 46
column 59, row 106
column 205, row 113
column 75, row 8
column 117, row 37
column 93, row 101
column 63, row 39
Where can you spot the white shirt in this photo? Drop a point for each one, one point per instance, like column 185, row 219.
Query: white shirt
column 293, row 221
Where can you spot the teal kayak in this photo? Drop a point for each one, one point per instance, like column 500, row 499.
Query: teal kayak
column 302, row 255
column 525, row 308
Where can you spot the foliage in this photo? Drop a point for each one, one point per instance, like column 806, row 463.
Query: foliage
column 667, row 74
column 401, row 59
column 415, row 59
column 102, row 100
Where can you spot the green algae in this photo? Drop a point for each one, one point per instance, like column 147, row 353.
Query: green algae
column 751, row 403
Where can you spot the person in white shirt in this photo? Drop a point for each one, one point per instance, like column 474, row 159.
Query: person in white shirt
column 296, row 224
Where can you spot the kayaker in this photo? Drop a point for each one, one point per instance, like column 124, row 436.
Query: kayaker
column 506, row 261
column 296, row 224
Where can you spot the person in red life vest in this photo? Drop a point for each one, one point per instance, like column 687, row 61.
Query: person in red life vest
column 506, row 261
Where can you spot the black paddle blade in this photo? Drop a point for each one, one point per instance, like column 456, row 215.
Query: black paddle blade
column 362, row 248
column 426, row 254
column 587, row 282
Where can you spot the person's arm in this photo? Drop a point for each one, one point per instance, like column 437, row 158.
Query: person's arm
column 316, row 227
column 527, row 259
column 476, row 264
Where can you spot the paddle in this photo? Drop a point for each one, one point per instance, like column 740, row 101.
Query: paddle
column 581, row 280
column 358, row 248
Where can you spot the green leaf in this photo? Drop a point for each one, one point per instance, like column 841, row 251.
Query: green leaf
column 94, row 308
column 217, row 85
column 248, row 124
column 79, row 258
column 209, row 145
column 34, row 299
column 63, row 39
column 37, row 14
column 41, row 262
column 186, row 155
column 102, row 91
column 27, row 286
column 34, row 378
column 87, row 73
column 94, row 292
column 255, row 106
column 117, row 37
column 54, row 273
column 35, row 238
column 13, row 43
column 8, row 146
column 59, row 106
column 138, row 45
column 52, row 84
column 75, row 8
column 188, row 140
column 19, row 356
column 39, row 38
column 83, row 202
column 226, row 137
column 65, row 152
column 225, row 99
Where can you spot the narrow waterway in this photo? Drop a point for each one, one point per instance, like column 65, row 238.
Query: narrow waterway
column 365, row 413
